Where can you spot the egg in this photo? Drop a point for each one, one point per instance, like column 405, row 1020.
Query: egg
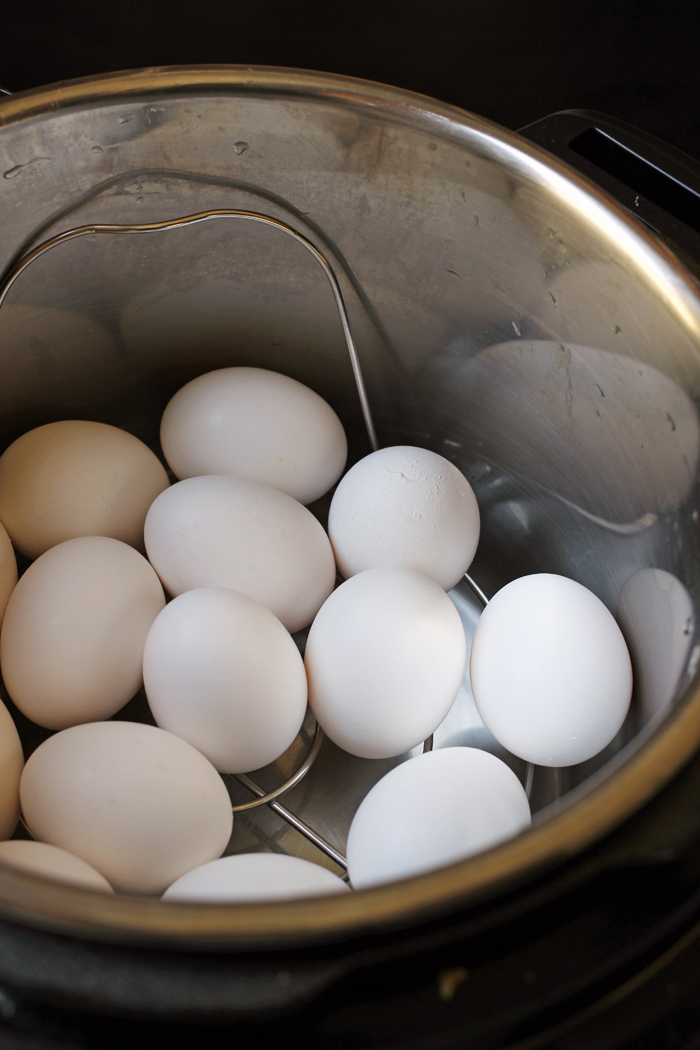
column 255, row 424
column 38, row 858
column 217, row 531
column 71, row 647
column 222, row 672
column 8, row 571
column 11, row 766
column 140, row 805
column 77, row 478
column 435, row 809
column 385, row 658
column 255, row 877
column 550, row 671
column 407, row 508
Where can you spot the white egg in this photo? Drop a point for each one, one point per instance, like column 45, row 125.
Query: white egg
column 222, row 672
column 255, row 424
column 228, row 532
column 255, row 877
column 138, row 804
column 77, row 478
column 435, row 809
column 38, row 858
column 385, row 658
column 550, row 671
column 72, row 640
column 11, row 766
column 408, row 508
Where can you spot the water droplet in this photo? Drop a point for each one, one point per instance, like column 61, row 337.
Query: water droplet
column 516, row 328
column 11, row 173
column 240, row 147
column 432, row 145
column 616, row 329
column 97, row 149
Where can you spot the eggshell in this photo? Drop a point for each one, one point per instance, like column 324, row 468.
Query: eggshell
column 255, row 877
column 222, row 672
column 77, row 478
column 385, row 658
column 408, row 508
column 139, row 804
column 11, row 766
column 72, row 640
column 255, row 424
column 39, row 858
column 8, row 571
column 550, row 671
column 228, row 532
column 435, row 809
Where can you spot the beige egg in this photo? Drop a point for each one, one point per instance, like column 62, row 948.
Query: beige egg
column 54, row 360
column 11, row 765
column 77, row 478
column 72, row 641
column 139, row 804
column 38, row 858
column 8, row 570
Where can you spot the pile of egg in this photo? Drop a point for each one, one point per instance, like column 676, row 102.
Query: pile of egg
column 141, row 809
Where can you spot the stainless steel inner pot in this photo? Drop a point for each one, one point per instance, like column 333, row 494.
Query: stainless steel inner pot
column 507, row 314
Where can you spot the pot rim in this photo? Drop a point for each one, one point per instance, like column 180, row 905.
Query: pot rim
column 595, row 809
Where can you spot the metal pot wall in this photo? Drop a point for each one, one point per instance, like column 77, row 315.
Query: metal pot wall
column 508, row 314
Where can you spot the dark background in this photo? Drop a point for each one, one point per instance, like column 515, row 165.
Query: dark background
column 512, row 61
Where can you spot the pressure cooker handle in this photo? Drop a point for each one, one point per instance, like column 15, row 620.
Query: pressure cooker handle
column 654, row 181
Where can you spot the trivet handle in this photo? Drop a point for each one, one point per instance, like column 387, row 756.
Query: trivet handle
column 654, row 181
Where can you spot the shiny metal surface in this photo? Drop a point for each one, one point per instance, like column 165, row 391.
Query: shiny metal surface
column 96, row 229
column 506, row 314
column 264, row 797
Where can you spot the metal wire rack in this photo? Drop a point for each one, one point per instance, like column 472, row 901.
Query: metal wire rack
column 262, row 798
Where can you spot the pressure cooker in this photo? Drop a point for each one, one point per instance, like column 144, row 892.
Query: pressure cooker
column 524, row 304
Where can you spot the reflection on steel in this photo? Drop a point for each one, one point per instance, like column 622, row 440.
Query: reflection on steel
column 207, row 216
column 529, row 779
